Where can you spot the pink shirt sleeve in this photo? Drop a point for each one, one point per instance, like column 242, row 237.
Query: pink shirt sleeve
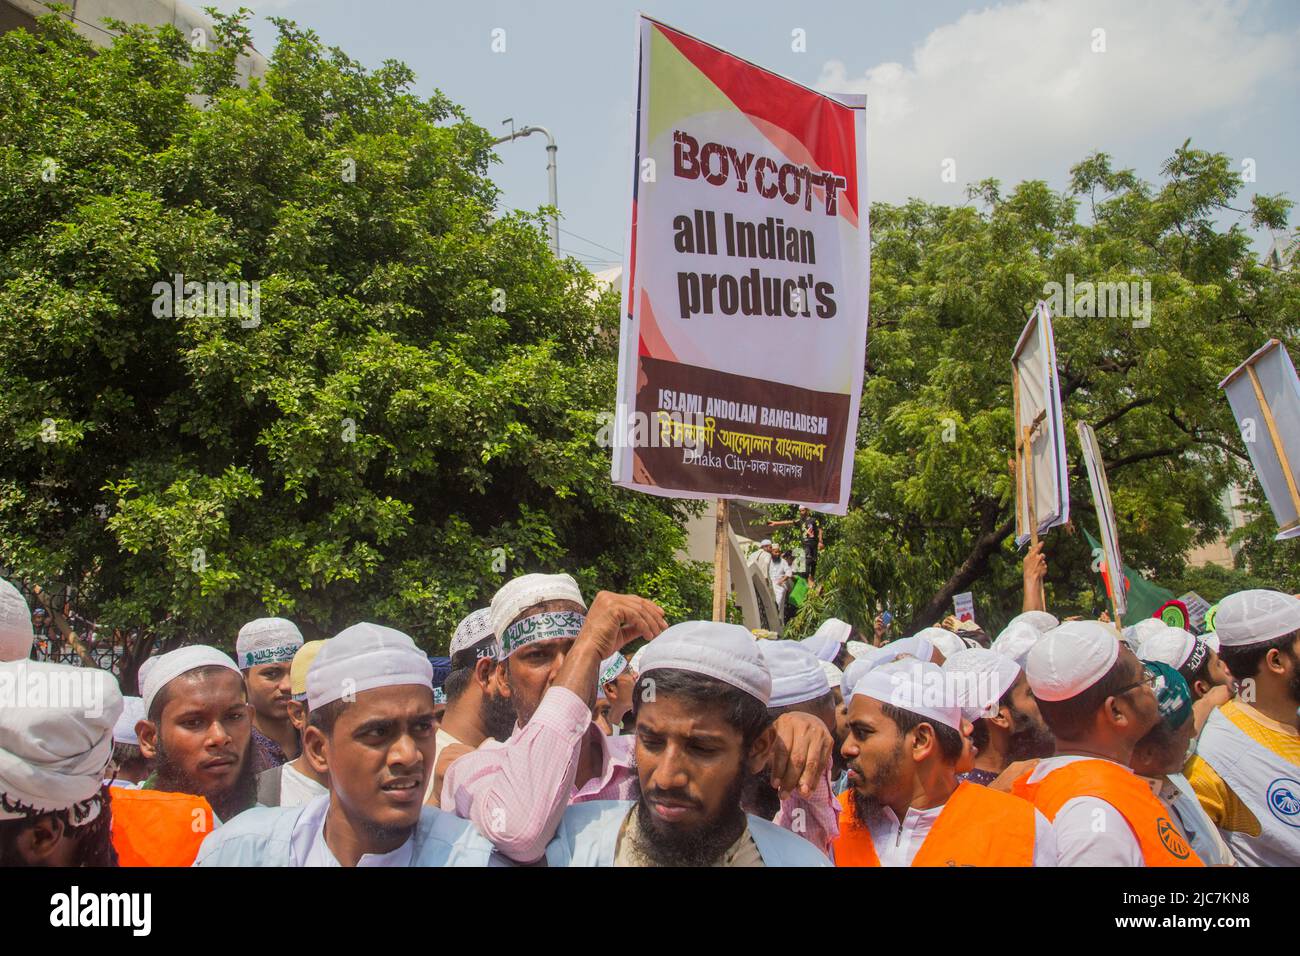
column 815, row 818
column 516, row 793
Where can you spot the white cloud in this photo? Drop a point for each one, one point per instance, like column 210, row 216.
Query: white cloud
column 1015, row 91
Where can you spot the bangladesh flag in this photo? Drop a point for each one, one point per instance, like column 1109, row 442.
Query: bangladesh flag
column 1144, row 598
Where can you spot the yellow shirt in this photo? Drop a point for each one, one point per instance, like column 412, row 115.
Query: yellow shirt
column 1220, row 803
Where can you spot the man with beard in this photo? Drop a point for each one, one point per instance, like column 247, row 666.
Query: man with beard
column 703, row 726
column 196, row 731
column 54, row 804
column 478, row 707
column 1158, row 759
column 265, row 650
column 516, row 792
column 1099, row 701
column 1005, row 723
column 1246, row 771
column 294, row 783
column 370, row 733
column 551, row 649
column 906, row 806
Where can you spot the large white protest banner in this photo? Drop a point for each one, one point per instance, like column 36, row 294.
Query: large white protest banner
column 745, row 301
column 1265, row 397
column 1105, row 516
column 1042, row 487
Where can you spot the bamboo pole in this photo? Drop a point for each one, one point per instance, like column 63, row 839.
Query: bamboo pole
column 720, row 563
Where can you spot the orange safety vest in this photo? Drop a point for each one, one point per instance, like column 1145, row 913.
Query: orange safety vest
column 977, row 827
column 157, row 828
column 1162, row 844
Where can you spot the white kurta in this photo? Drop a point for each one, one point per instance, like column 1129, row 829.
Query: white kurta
column 308, row 846
column 296, row 788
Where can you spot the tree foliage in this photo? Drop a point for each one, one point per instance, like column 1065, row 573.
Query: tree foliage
column 932, row 505
column 411, row 420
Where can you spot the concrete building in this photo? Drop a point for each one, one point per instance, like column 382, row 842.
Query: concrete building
column 88, row 16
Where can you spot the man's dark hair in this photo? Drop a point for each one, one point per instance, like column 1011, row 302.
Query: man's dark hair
column 1071, row 718
column 979, row 734
column 949, row 739
column 743, row 711
column 805, row 707
column 456, row 683
column 324, row 717
column 127, row 757
column 94, row 840
column 160, row 699
column 1245, row 661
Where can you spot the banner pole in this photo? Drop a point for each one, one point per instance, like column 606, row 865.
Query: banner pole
column 1030, row 506
column 720, row 563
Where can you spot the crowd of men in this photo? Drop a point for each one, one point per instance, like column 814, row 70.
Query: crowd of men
column 1054, row 744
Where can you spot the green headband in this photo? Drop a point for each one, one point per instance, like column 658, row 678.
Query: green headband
column 547, row 626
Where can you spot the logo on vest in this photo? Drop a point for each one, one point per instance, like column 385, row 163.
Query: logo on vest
column 1173, row 840
column 1284, row 800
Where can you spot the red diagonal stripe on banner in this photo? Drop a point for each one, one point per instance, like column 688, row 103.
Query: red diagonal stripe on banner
column 825, row 128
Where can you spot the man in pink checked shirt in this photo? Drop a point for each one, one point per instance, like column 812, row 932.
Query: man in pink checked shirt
column 516, row 792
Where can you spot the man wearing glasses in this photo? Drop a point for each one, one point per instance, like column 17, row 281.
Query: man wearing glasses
column 1098, row 700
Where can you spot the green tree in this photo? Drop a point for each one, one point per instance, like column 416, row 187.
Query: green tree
column 400, row 417
column 932, row 504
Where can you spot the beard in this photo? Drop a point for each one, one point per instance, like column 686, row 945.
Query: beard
column 235, row 799
column 866, row 792
column 758, row 797
column 498, row 715
column 664, row 844
column 1029, row 739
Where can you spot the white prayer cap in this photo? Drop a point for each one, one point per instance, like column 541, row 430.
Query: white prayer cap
column 1070, row 659
column 610, row 669
column 985, row 676
column 1135, row 634
column 1172, row 646
column 16, row 634
column 853, row 673
column 725, row 652
column 474, row 627
column 143, row 670
column 525, row 591
column 1040, row 620
column 945, row 641
column 267, row 640
column 56, row 737
column 363, row 657
column 918, row 646
column 857, row 649
column 1017, row 640
column 167, row 667
column 1256, row 616
column 833, row 674
column 132, row 714
column 765, row 543
column 825, row 643
column 797, row 675
column 635, row 663
column 915, row 686
column 1211, row 639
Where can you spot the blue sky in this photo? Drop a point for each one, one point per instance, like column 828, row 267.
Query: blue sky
column 1014, row 90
